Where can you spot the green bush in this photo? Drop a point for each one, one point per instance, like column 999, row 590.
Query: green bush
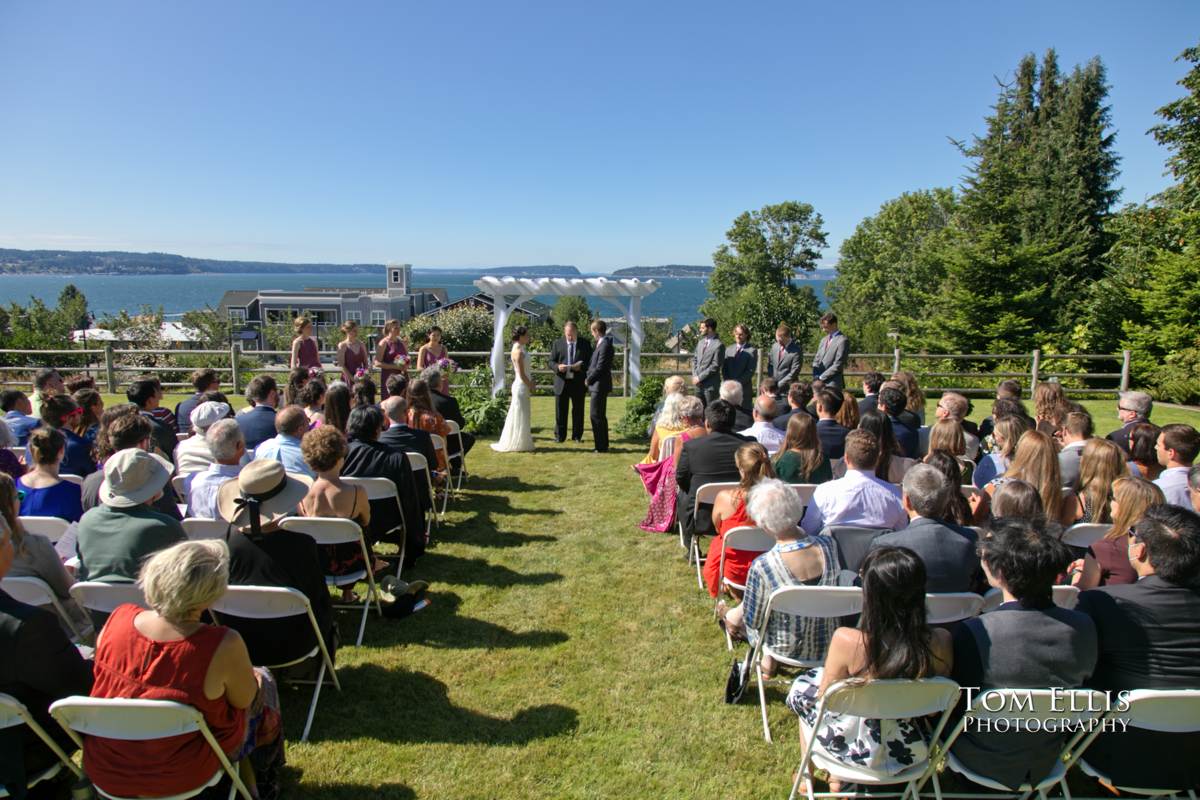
column 640, row 410
column 484, row 414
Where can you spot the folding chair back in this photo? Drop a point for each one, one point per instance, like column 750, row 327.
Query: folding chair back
column 815, row 601
column 969, row 491
column 943, row 607
column 805, row 492
column 1163, row 710
column 52, row 528
column 746, row 538
column 19, row 452
column 853, row 543
column 179, row 484
column 330, row 531
column 1084, row 534
column 75, row 479
column 385, row 489
column 666, row 448
column 707, row 494
column 13, row 713
column 141, row 720
column 420, row 465
column 36, row 592
column 106, row 597
column 179, row 437
column 201, row 528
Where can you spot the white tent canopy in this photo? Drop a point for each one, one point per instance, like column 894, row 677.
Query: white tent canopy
column 508, row 293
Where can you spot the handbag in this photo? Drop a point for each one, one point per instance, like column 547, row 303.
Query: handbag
column 735, row 684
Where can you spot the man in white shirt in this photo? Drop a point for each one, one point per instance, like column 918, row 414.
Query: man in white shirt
column 291, row 424
column 770, row 437
column 192, row 454
column 227, row 445
column 859, row 498
column 1177, row 447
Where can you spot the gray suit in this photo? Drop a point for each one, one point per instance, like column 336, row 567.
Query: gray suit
column 783, row 364
column 741, row 367
column 706, row 365
column 947, row 550
column 1068, row 463
column 830, row 361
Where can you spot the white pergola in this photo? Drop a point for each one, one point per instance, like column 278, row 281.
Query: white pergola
column 509, row 293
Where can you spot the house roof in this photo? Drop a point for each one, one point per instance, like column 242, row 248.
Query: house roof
column 237, row 297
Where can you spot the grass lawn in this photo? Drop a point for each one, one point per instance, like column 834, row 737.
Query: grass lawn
column 566, row 653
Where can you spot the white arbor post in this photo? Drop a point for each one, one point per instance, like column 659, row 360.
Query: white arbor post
column 503, row 310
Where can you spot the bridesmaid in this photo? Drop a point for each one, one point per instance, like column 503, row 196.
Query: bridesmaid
column 391, row 356
column 433, row 350
column 351, row 353
column 306, row 352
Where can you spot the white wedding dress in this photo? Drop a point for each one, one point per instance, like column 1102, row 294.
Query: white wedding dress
column 518, row 433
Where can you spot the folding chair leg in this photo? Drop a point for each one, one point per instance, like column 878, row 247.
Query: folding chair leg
column 362, row 626
column 937, row 786
column 762, row 700
column 312, row 708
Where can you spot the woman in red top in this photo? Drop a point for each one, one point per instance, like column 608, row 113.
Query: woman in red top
column 169, row 654
column 1107, row 561
column 352, row 354
column 305, row 348
column 422, row 415
column 729, row 511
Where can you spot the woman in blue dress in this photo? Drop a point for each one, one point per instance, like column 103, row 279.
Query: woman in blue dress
column 42, row 492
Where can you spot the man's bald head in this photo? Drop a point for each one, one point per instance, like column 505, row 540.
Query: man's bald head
column 395, row 408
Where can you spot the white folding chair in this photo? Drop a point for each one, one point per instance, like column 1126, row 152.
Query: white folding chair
column 440, row 444
column 52, row 528
column 419, row 465
column 1084, row 534
column 805, row 492
column 104, row 598
column 331, row 531
column 943, row 607
column 882, row 699
column 460, row 456
column 179, row 484
column 969, row 491
column 1063, row 597
column 1162, row 710
column 19, row 452
column 13, row 713
column 666, row 448
column 203, row 528
column 747, row 538
column 1059, row 708
column 280, row 602
column 385, row 489
column 824, row 602
column 75, row 479
column 138, row 721
column 179, row 437
column 36, row 592
column 705, row 495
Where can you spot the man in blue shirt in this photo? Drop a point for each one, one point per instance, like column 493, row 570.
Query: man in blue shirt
column 17, row 413
column 292, row 424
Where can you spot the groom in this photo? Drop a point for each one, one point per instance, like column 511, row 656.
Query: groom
column 599, row 383
column 568, row 356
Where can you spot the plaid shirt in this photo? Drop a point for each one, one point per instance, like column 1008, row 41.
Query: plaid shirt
column 804, row 638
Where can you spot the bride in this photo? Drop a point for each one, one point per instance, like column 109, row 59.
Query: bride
column 517, row 435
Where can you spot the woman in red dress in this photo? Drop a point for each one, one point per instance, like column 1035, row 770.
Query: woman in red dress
column 352, row 354
column 391, row 356
column 306, row 351
column 729, row 511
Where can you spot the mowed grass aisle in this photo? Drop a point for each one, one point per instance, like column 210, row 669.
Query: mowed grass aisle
column 566, row 653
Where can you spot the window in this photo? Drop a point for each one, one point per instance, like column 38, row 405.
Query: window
column 395, row 276
column 237, row 315
column 354, row 316
column 378, row 318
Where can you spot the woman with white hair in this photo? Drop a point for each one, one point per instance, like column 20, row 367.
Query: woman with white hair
column 797, row 559
column 659, row 477
column 666, row 421
column 170, row 653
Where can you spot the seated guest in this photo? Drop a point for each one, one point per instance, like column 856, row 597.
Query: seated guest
column 914, row 399
column 948, row 435
column 1026, row 643
column 1143, row 451
column 193, row 453
column 397, row 383
column 312, row 400
column 228, row 448
column 731, row 392
column 1107, row 561
column 848, row 415
column 801, row 458
column 947, row 550
column 798, row 397
column 1074, row 434
column 362, row 392
column 46, row 383
column 203, row 380
column 1101, row 463
column 890, row 465
column 1036, row 463
column 768, row 386
column 367, row 457
column 860, row 498
column 1133, row 408
column 38, row 665
column 762, row 430
column 1008, row 391
column 659, row 478
column 170, row 653
column 871, row 383
column 18, row 415
column 298, row 378
column 891, row 641
column 146, row 393
column 58, row 412
column 291, row 423
column 43, row 492
column 706, row 459
column 958, row 510
column 258, row 424
column 1005, row 435
column 672, row 385
column 86, row 423
column 122, row 427
column 1150, row 639
column 668, row 424
column 953, row 407
column 1194, row 487
column 402, row 438
column 1017, row 499
column 421, row 415
column 798, row 559
column 891, row 403
column 1050, row 407
column 831, row 433
column 729, row 511
column 337, row 402
column 117, row 535
column 1177, row 448
column 447, row 406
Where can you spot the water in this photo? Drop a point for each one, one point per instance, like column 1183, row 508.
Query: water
column 677, row 298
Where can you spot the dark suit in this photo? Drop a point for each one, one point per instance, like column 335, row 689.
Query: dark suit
column 183, row 413
column 1149, row 639
column 948, row 551
column 164, row 437
column 1120, row 437
column 742, row 419
column 38, row 665
column 740, row 366
column 908, row 438
column 833, row 437
column 403, row 439
column 781, row 421
column 569, row 391
column 868, row 403
column 707, row 459
column 447, row 406
column 599, row 384
column 257, row 424
column 377, row 460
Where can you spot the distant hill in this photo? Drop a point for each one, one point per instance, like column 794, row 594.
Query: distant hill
column 666, row 271
column 550, row 271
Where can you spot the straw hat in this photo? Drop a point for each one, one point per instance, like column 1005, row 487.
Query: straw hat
column 132, row 477
column 265, row 483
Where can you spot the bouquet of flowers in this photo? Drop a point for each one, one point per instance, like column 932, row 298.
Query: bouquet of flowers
column 402, row 360
column 447, row 365
column 361, row 372
column 316, row 372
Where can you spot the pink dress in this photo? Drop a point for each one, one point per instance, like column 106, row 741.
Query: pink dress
column 308, row 356
column 428, row 359
column 392, row 353
column 659, row 480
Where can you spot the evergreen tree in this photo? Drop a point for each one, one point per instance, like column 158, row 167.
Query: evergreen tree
column 1179, row 132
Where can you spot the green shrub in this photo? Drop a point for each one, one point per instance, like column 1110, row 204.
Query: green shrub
column 640, row 410
column 484, row 414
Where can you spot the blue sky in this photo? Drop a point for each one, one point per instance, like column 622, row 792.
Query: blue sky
column 454, row 134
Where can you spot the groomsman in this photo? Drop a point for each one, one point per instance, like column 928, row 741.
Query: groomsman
column 568, row 356
column 833, row 352
column 706, row 363
column 599, row 383
column 741, row 362
column 783, row 361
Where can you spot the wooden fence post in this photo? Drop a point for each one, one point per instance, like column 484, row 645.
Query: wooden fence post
column 896, row 360
column 110, row 372
column 235, row 366
column 1125, row 370
column 1035, row 369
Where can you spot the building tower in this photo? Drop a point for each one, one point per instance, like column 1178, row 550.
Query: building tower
column 399, row 279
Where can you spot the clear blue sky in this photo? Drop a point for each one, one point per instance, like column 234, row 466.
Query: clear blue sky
column 455, row 134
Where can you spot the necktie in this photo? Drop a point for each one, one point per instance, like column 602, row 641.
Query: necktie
column 570, row 352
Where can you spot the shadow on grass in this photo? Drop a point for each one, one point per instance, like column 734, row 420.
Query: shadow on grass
column 400, row 706
column 439, row 626
column 479, row 483
column 292, row 787
column 438, row 568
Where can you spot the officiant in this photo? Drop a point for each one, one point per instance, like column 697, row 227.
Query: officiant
column 569, row 357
